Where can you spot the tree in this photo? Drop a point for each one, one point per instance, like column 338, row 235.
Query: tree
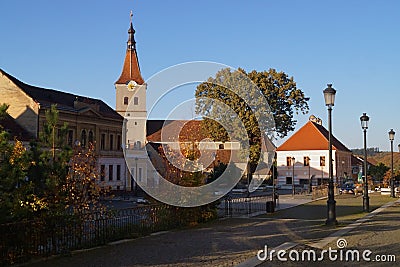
column 82, row 190
column 177, row 170
column 283, row 96
column 50, row 155
column 3, row 112
column 378, row 171
column 53, row 135
column 15, row 200
column 279, row 90
column 216, row 172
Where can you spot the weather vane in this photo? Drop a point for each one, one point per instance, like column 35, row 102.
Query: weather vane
column 131, row 15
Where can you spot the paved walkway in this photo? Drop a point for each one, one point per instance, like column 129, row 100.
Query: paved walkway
column 230, row 242
column 288, row 201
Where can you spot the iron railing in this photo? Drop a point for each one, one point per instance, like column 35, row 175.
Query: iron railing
column 245, row 206
column 56, row 235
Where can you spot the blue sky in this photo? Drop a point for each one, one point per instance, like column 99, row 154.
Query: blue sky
column 79, row 46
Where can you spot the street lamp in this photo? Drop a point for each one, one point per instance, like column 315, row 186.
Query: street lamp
column 364, row 125
column 136, row 177
column 273, row 180
column 391, row 138
column 293, row 191
column 329, row 95
column 342, row 178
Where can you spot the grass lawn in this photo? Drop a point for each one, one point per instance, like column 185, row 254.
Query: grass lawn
column 348, row 208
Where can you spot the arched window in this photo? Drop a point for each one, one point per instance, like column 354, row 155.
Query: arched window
column 83, row 138
column 126, row 100
column 138, row 145
column 91, row 138
column 221, row 146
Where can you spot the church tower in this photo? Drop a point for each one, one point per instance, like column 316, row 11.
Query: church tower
column 131, row 104
column 131, row 94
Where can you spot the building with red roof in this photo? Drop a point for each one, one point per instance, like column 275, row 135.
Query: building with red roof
column 303, row 158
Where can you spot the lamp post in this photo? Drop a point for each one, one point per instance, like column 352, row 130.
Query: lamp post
column 136, row 177
column 329, row 95
column 293, row 191
column 364, row 125
column 273, row 179
column 391, row 138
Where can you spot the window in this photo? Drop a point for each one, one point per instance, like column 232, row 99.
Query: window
column 118, row 172
column 138, row 145
column 322, row 161
column 303, row 182
column 288, row 161
column 103, row 141
column 102, row 172
column 140, row 174
column 288, row 180
column 306, row 161
column 119, row 147
column 70, row 137
column 83, row 138
column 126, row 100
column 221, row 146
column 91, row 138
column 110, row 172
column 111, row 141
column 136, row 100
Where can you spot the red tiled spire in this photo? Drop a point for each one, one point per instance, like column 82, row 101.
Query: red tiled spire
column 131, row 69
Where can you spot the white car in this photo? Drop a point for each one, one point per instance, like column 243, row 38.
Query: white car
column 142, row 201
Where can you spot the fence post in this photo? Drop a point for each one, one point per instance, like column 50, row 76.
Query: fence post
column 249, row 210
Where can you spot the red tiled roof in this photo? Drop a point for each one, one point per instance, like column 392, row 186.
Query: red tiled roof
column 190, row 130
column 311, row 136
column 131, row 69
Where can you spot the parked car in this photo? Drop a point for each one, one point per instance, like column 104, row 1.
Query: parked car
column 142, row 201
column 347, row 188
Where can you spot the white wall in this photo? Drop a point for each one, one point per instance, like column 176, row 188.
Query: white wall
column 107, row 161
column 301, row 171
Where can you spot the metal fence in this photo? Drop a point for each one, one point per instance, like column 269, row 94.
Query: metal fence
column 246, row 206
column 56, row 235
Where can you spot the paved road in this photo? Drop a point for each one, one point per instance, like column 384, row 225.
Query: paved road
column 232, row 241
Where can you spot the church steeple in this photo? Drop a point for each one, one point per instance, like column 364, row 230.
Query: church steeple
column 131, row 69
column 131, row 40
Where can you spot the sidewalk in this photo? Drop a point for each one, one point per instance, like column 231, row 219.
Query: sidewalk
column 229, row 242
column 288, row 201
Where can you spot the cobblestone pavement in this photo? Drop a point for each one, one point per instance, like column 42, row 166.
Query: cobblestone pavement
column 380, row 235
column 229, row 242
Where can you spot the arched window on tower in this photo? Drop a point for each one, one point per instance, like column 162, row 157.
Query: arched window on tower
column 126, row 100
column 83, row 138
column 138, row 145
column 136, row 100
